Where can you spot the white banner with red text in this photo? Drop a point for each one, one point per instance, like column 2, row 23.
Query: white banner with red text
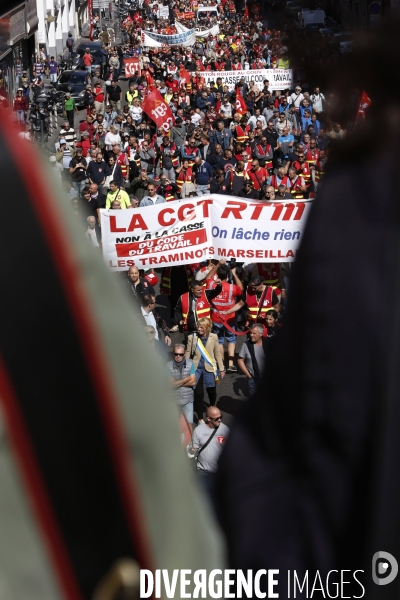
column 279, row 79
column 190, row 231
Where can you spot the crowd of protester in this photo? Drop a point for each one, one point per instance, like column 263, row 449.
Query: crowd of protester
column 249, row 142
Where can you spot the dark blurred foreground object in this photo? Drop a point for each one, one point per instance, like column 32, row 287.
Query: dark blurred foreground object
column 94, row 483
column 310, row 477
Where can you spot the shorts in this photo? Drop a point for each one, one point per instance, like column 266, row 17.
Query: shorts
column 187, row 410
column 224, row 333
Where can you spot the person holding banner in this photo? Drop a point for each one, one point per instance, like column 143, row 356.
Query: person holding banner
column 223, row 309
column 203, row 348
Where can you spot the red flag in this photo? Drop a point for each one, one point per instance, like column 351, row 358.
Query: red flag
column 241, row 106
column 365, row 102
column 184, row 75
column 155, row 107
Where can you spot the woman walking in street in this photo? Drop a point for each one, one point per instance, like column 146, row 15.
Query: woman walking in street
column 203, row 349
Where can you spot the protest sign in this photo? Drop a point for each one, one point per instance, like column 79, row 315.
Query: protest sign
column 279, row 79
column 163, row 11
column 187, row 231
column 131, row 66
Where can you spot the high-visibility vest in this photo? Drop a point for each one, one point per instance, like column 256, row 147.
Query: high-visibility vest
column 295, row 188
column 319, row 170
column 174, row 159
column 270, row 272
column 262, row 152
column 284, row 181
column 241, row 134
column 182, row 177
column 203, row 307
column 258, row 177
column 165, row 287
column 189, row 150
column 306, row 174
column 312, row 156
column 224, row 301
column 169, row 195
column 254, row 310
column 121, row 161
column 130, row 97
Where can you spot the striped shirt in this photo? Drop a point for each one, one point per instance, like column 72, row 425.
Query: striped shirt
column 69, row 136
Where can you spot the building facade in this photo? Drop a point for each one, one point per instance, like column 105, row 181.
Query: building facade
column 56, row 19
column 18, row 25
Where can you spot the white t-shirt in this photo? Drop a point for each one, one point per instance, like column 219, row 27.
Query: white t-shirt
column 150, row 320
column 208, row 459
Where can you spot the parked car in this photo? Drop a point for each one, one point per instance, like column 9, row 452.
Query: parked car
column 345, row 41
column 95, row 50
column 74, row 82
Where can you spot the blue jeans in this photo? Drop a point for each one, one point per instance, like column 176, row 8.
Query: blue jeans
column 78, row 187
column 202, row 190
column 222, row 331
column 187, row 410
column 252, row 386
column 20, row 116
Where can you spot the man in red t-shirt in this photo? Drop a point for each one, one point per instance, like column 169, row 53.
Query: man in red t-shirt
column 223, row 309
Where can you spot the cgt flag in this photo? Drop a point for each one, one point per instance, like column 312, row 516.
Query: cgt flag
column 241, row 106
column 155, row 107
column 365, row 102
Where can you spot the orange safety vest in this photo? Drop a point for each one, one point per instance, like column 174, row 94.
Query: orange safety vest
column 258, row 177
column 312, row 156
column 319, row 170
column 203, row 307
column 182, row 177
column 268, row 163
column 121, row 161
column 241, row 134
column 256, row 312
column 189, row 150
column 169, row 194
column 295, row 188
column 271, row 273
column 284, row 181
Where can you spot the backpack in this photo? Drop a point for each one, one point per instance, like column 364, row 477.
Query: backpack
column 69, row 42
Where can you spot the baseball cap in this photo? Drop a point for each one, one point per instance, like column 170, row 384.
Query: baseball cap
column 62, row 141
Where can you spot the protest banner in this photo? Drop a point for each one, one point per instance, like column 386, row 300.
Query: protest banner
column 155, row 107
column 191, row 230
column 199, row 33
column 131, row 66
column 279, row 79
column 186, row 16
column 157, row 40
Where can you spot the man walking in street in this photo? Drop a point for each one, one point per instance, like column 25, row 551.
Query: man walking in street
column 182, row 376
column 252, row 356
column 207, row 443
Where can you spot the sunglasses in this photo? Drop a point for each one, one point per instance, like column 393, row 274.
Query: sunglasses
column 216, row 418
column 178, row 354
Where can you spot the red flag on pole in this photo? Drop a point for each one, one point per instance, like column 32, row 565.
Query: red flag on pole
column 184, row 75
column 365, row 102
column 155, row 107
column 241, row 106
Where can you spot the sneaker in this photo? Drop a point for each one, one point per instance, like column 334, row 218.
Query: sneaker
column 231, row 369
